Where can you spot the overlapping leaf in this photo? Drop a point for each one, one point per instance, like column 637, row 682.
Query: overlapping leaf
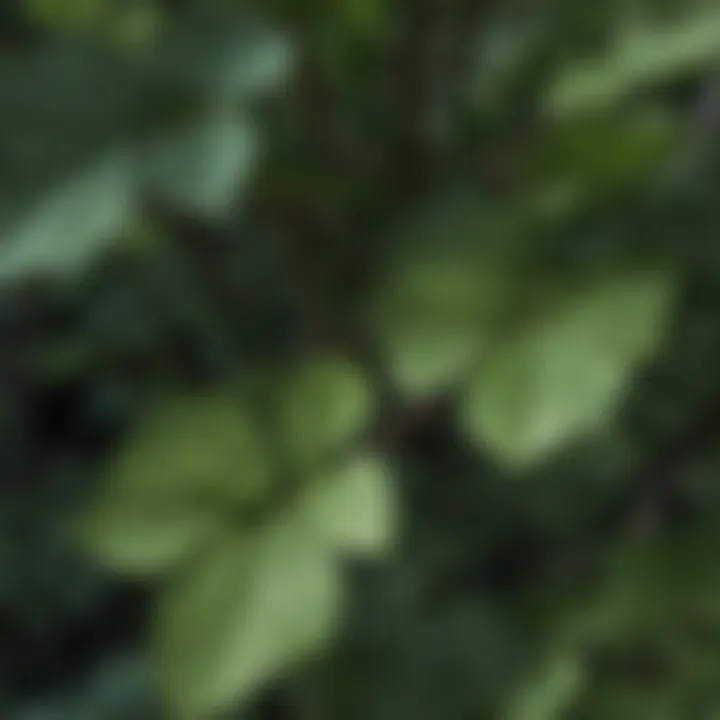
column 564, row 375
column 353, row 508
column 168, row 491
column 84, row 133
column 435, row 320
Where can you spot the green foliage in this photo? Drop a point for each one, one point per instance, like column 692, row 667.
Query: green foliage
column 323, row 405
column 356, row 508
column 563, row 374
column 642, row 54
column 164, row 495
column 114, row 131
column 204, row 166
column 243, row 600
column 551, row 695
column 285, row 310
column 254, row 605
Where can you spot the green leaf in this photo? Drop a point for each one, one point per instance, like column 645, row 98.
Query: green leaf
column 600, row 152
column 204, row 166
column 66, row 175
column 63, row 227
column 136, row 537
column 220, row 56
column 354, row 508
column 642, row 55
column 169, row 488
column 550, row 694
column 562, row 376
column 436, row 318
column 253, row 607
column 196, row 444
column 322, row 406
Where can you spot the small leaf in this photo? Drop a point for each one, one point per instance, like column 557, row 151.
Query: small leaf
column 169, row 489
column 257, row 604
column 642, row 55
column 205, row 443
column 323, row 405
column 354, row 507
column 563, row 376
column 139, row 538
column 551, row 694
column 204, row 167
column 435, row 319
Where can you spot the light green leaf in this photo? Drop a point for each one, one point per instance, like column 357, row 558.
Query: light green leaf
column 204, row 166
column 550, row 694
column 323, row 405
column 64, row 227
column 563, row 376
column 134, row 537
column 642, row 55
column 253, row 607
column 169, row 489
column 354, row 508
column 435, row 320
column 196, row 445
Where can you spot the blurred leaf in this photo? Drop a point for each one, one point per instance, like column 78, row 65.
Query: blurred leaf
column 135, row 537
column 255, row 605
column 195, row 444
column 66, row 184
column 603, row 152
column 66, row 15
column 166, row 493
column 354, row 507
column 436, row 317
column 323, row 404
column 550, row 695
column 641, row 55
column 220, row 56
column 562, row 376
column 204, row 167
column 63, row 228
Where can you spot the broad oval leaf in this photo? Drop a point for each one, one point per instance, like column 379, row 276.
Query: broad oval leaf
column 254, row 606
column 204, row 166
column 194, row 447
column 562, row 377
column 323, row 404
column 167, row 493
column 354, row 507
column 137, row 538
column 435, row 318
